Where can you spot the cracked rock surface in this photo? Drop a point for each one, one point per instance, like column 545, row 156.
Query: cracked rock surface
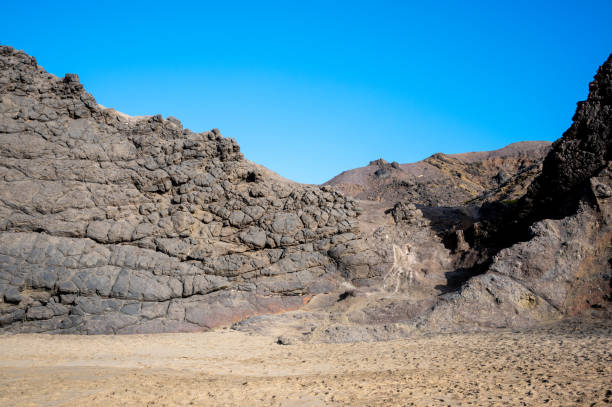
column 119, row 224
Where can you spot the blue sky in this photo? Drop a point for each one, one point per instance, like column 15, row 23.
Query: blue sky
column 312, row 88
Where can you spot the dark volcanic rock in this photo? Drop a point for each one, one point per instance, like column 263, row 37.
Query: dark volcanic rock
column 113, row 224
column 548, row 254
column 582, row 153
column 560, row 262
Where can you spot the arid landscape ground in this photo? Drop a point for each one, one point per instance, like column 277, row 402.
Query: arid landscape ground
column 560, row 365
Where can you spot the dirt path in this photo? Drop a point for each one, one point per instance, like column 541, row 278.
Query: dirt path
column 235, row 369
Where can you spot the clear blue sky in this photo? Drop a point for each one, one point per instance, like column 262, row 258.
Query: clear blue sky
column 312, row 88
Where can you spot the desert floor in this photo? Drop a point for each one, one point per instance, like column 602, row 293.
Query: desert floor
column 556, row 367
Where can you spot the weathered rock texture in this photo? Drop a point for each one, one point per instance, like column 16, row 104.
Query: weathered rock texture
column 118, row 224
column 582, row 153
column 564, row 264
column 552, row 249
column 448, row 180
column 515, row 264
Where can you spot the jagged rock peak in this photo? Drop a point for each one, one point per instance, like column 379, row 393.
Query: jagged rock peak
column 582, row 152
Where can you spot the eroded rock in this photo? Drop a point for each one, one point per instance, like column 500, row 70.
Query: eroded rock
column 111, row 223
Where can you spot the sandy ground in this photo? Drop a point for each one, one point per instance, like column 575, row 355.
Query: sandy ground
column 545, row 367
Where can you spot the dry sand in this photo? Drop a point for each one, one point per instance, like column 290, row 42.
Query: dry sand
column 546, row 367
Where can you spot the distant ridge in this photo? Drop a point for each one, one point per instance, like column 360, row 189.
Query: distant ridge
column 447, row 179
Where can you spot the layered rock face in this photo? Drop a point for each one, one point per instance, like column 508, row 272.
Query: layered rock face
column 118, row 224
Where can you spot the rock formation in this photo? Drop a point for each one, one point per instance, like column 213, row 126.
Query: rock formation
column 561, row 263
column 517, row 263
column 118, row 224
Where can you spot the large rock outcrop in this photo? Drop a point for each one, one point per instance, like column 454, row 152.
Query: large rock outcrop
column 584, row 151
column 561, row 264
column 518, row 263
column 119, row 224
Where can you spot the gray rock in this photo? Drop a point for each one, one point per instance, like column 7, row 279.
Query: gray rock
column 254, row 236
column 284, row 340
column 118, row 224
column 12, row 296
column 133, row 224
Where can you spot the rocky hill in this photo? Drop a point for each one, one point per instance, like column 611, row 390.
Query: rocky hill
column 117, row 224
column 556, row 242
column 448, row 180
column 541, row 258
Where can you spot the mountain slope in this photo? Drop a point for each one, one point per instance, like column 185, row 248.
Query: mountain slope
column 448, row 180
column 541, row 258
